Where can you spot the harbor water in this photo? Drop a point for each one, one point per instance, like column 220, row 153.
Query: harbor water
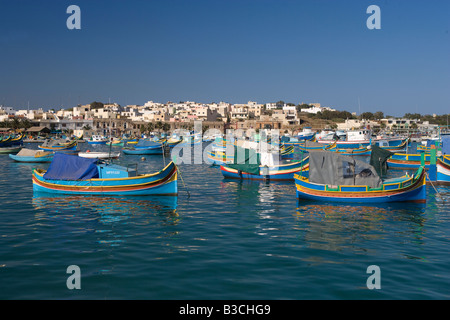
column 219, row 239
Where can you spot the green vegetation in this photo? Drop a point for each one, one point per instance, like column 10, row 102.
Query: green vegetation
column 96, row 105
column 16, row 123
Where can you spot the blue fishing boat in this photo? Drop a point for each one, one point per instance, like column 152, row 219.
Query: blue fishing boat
column 75, row 175
column 337, row 178
column 30, row 155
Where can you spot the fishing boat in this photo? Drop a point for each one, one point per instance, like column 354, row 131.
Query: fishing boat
column 132, row 141
column 286, row 152
column 387, row 145
column 75, row 175
column 338, row 178
column 30, row 155
column 53, row 145
column 143, row 151
column 362, row 151
column 306, row 134
column 219, row 157
column 96, row 139
column 116, row 143
column 8, row 150
column 281, row 172
column 172, row 142
column 145, row 147
column 99, row 155
column 308, row 146
column 12, row 140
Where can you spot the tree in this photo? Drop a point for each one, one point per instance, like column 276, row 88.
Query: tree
column 378, row 115
column 25, row 123
column 96, row 105
column 159, row 125
column 412, row 116
column 367, row 116
column 166, row 127
column 151, row 127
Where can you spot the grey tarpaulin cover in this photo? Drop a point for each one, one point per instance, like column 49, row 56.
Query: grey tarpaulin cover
column 330, row 168
column 378, row 159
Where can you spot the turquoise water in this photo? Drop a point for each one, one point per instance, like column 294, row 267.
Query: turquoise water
column 225, row 240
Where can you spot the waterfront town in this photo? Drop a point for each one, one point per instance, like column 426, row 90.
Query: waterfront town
column 113, row 119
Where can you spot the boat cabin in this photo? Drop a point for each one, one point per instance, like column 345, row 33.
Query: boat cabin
column 358, row 135
column 111, row 171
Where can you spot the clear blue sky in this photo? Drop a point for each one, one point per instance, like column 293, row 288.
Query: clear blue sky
column 228, row 50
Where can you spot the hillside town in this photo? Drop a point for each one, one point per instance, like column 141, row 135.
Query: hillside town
column 115, row 120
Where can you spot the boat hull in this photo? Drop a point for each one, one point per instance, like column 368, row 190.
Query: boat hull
column 407, row 161
column 143, row 151
column 31, row 159
column 443, row 171
column 160, row 183
column 276, row 173
column 409, row 189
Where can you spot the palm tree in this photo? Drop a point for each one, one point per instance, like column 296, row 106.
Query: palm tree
column 25, row 123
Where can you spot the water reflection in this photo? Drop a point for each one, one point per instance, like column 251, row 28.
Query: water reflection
column 111, row 218
column 336, row 227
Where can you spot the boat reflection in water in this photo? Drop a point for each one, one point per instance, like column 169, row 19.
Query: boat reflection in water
column 106, row 216
column 359, row 229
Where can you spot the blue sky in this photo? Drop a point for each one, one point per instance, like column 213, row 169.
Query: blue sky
column 236, row 51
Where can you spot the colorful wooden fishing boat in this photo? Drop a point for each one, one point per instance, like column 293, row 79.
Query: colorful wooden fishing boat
column 308, row 146
column 12, row 140
column 59, row 147
column 172, row 142
column 75, row 175
column 280, row 172
column 219, row 157
column 116, row 143
column 30, row 155
column 337, row 178
column 286, row 152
